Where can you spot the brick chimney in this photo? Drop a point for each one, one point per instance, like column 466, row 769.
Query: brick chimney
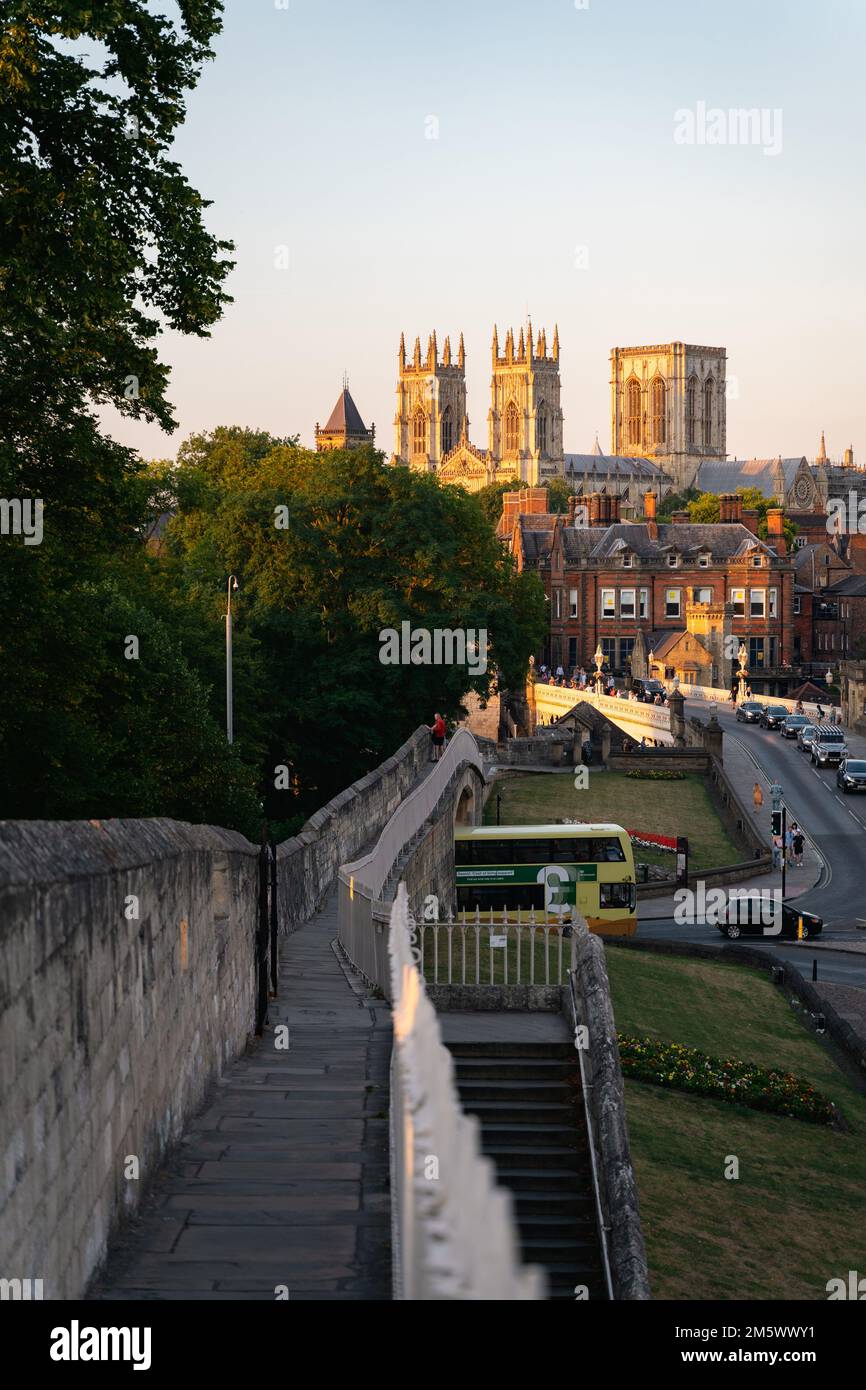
column 725, row 507
column 681, row 518
column 749, row 518
column 510, row 510
column 536, row 503
column 649, row 511
column 776, row 530
column 595, row 509
column 736, row 506
column 614, row 509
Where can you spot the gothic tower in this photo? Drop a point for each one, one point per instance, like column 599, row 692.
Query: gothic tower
column 525, row 419
column 668, row 403
column 431, row 404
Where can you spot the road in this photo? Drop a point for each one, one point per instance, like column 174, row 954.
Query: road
column 836, row 825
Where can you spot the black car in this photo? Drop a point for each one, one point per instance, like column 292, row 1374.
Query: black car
column 796, row 924
column 648, row 690
column 749, row 712
column 773, row 716
column 851, row 775
column 793, row 724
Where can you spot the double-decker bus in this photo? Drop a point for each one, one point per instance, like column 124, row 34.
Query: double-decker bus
column 515, row 871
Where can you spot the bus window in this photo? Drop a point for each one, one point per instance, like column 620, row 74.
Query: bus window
column 608, row 851
column 621, row 895
column 571, row 851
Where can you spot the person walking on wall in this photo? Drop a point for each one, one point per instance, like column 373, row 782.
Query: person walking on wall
column 757, row 796
column 437, row 729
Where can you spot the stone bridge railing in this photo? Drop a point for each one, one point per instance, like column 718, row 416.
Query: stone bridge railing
column 553, row 701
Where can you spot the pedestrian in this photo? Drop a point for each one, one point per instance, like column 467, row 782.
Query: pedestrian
column 798, row 844
column 559, row 672
column 820, row 715
column 757, row 796
column 437, row 729
column 748, row 692
column 777, row 851
column 799, row 708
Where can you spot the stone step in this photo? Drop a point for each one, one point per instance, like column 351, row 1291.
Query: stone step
column 519, row 1112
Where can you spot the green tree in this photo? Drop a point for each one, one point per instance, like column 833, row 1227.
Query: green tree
column 366, row 548
column 705, row 507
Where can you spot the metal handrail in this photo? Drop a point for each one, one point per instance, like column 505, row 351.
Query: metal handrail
column 590, row 1133
column 371, row 872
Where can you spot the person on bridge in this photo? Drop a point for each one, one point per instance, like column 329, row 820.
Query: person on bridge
column 777, row 851
column 758, row 796
column 437, row 729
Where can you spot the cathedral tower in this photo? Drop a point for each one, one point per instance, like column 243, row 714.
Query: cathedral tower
column 668, row 402
column 431, row 404
column 525, row 419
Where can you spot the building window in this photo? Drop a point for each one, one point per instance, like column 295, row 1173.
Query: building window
column 558, row 595
column 757, row 561
column 644, row 604
column 608, row 647
column 756, row 652
column 774, row 603
column 738, row 599
column 627, row 561
column 704, row 561
column 799, row 542
column 796, row 605
column 572, row 603
column 632, row 396
column 691, row 397
column 703, row 595
column 626, row 603
column 658, row 397
column 512, row 428
column 446, row 431
column 709, row 395
column 757, row 603
column 608, row 603
column 572, row 653
column 626, row 647
column 771, row 642
column 541, row 431
column 419, row 432
column 672, row 603
column 673, row 561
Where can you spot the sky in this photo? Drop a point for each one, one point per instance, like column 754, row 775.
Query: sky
column 453, row 165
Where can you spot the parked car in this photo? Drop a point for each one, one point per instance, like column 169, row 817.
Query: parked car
column 749, row 712
column 828, row 745
column 648, row 690
column 793, row 724
column 805, row 736
column 747, row 919
column 773, row 716
column 851, row 775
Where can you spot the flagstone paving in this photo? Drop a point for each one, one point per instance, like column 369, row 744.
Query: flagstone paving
column 282, row 1181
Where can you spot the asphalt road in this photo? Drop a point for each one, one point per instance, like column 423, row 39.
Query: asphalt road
column 836, row 825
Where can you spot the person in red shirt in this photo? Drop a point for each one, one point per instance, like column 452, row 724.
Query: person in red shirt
column 437, row 729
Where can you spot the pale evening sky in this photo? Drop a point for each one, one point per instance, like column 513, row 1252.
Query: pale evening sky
column 555, row 132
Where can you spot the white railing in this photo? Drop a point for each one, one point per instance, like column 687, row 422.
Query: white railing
column 371, row 872
column 453, row 1230
column 716, row 696
column 557, row 700
column 473, row 950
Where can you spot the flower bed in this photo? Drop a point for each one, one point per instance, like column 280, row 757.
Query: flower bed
column 658, row 774
column 723, row 1078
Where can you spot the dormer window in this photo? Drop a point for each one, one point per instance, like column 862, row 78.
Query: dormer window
column 627, row 561
column 673, row 561
column 757, row 561
column 704, row 561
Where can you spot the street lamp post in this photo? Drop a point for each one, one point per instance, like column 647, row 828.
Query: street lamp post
column 230, row 726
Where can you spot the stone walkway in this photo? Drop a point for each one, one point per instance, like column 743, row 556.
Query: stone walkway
column 283, row 1179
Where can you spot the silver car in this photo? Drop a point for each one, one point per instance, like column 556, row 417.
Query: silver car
column 804, row 738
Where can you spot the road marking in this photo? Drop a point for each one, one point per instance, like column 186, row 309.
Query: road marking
column 842, row 803
column 853, row 817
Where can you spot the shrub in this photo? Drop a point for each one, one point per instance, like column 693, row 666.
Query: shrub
column 657, row 775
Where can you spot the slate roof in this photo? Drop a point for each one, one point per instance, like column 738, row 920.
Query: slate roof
column 853, row 586
column 726, row 475
column 345, row 417
column 663, row 639
column 723, row 540
column 605, row 465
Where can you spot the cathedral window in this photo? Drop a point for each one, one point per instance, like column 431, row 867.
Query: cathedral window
column 512, row 429
column 447, row 431
column 691, row 404
column 419, row 432
column 541, row 432
column 659, row 394
column 709, row 393
column 632, row 397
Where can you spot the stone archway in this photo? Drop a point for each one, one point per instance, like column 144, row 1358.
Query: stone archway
column 464, row 813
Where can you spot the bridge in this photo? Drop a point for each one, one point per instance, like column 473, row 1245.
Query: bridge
column 238, row 1047
column 635, row 718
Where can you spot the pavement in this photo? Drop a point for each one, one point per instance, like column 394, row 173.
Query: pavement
column 282, row 1183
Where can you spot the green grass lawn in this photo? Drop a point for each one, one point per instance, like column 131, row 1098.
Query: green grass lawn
column 472, row 956
column 664, row 808
column 796, row 1216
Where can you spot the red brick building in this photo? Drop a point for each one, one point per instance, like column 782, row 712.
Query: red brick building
column 639, row 587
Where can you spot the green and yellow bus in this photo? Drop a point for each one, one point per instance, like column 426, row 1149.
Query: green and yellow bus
column 512, row 871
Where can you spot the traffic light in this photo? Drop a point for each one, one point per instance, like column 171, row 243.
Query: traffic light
column 777, row 822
